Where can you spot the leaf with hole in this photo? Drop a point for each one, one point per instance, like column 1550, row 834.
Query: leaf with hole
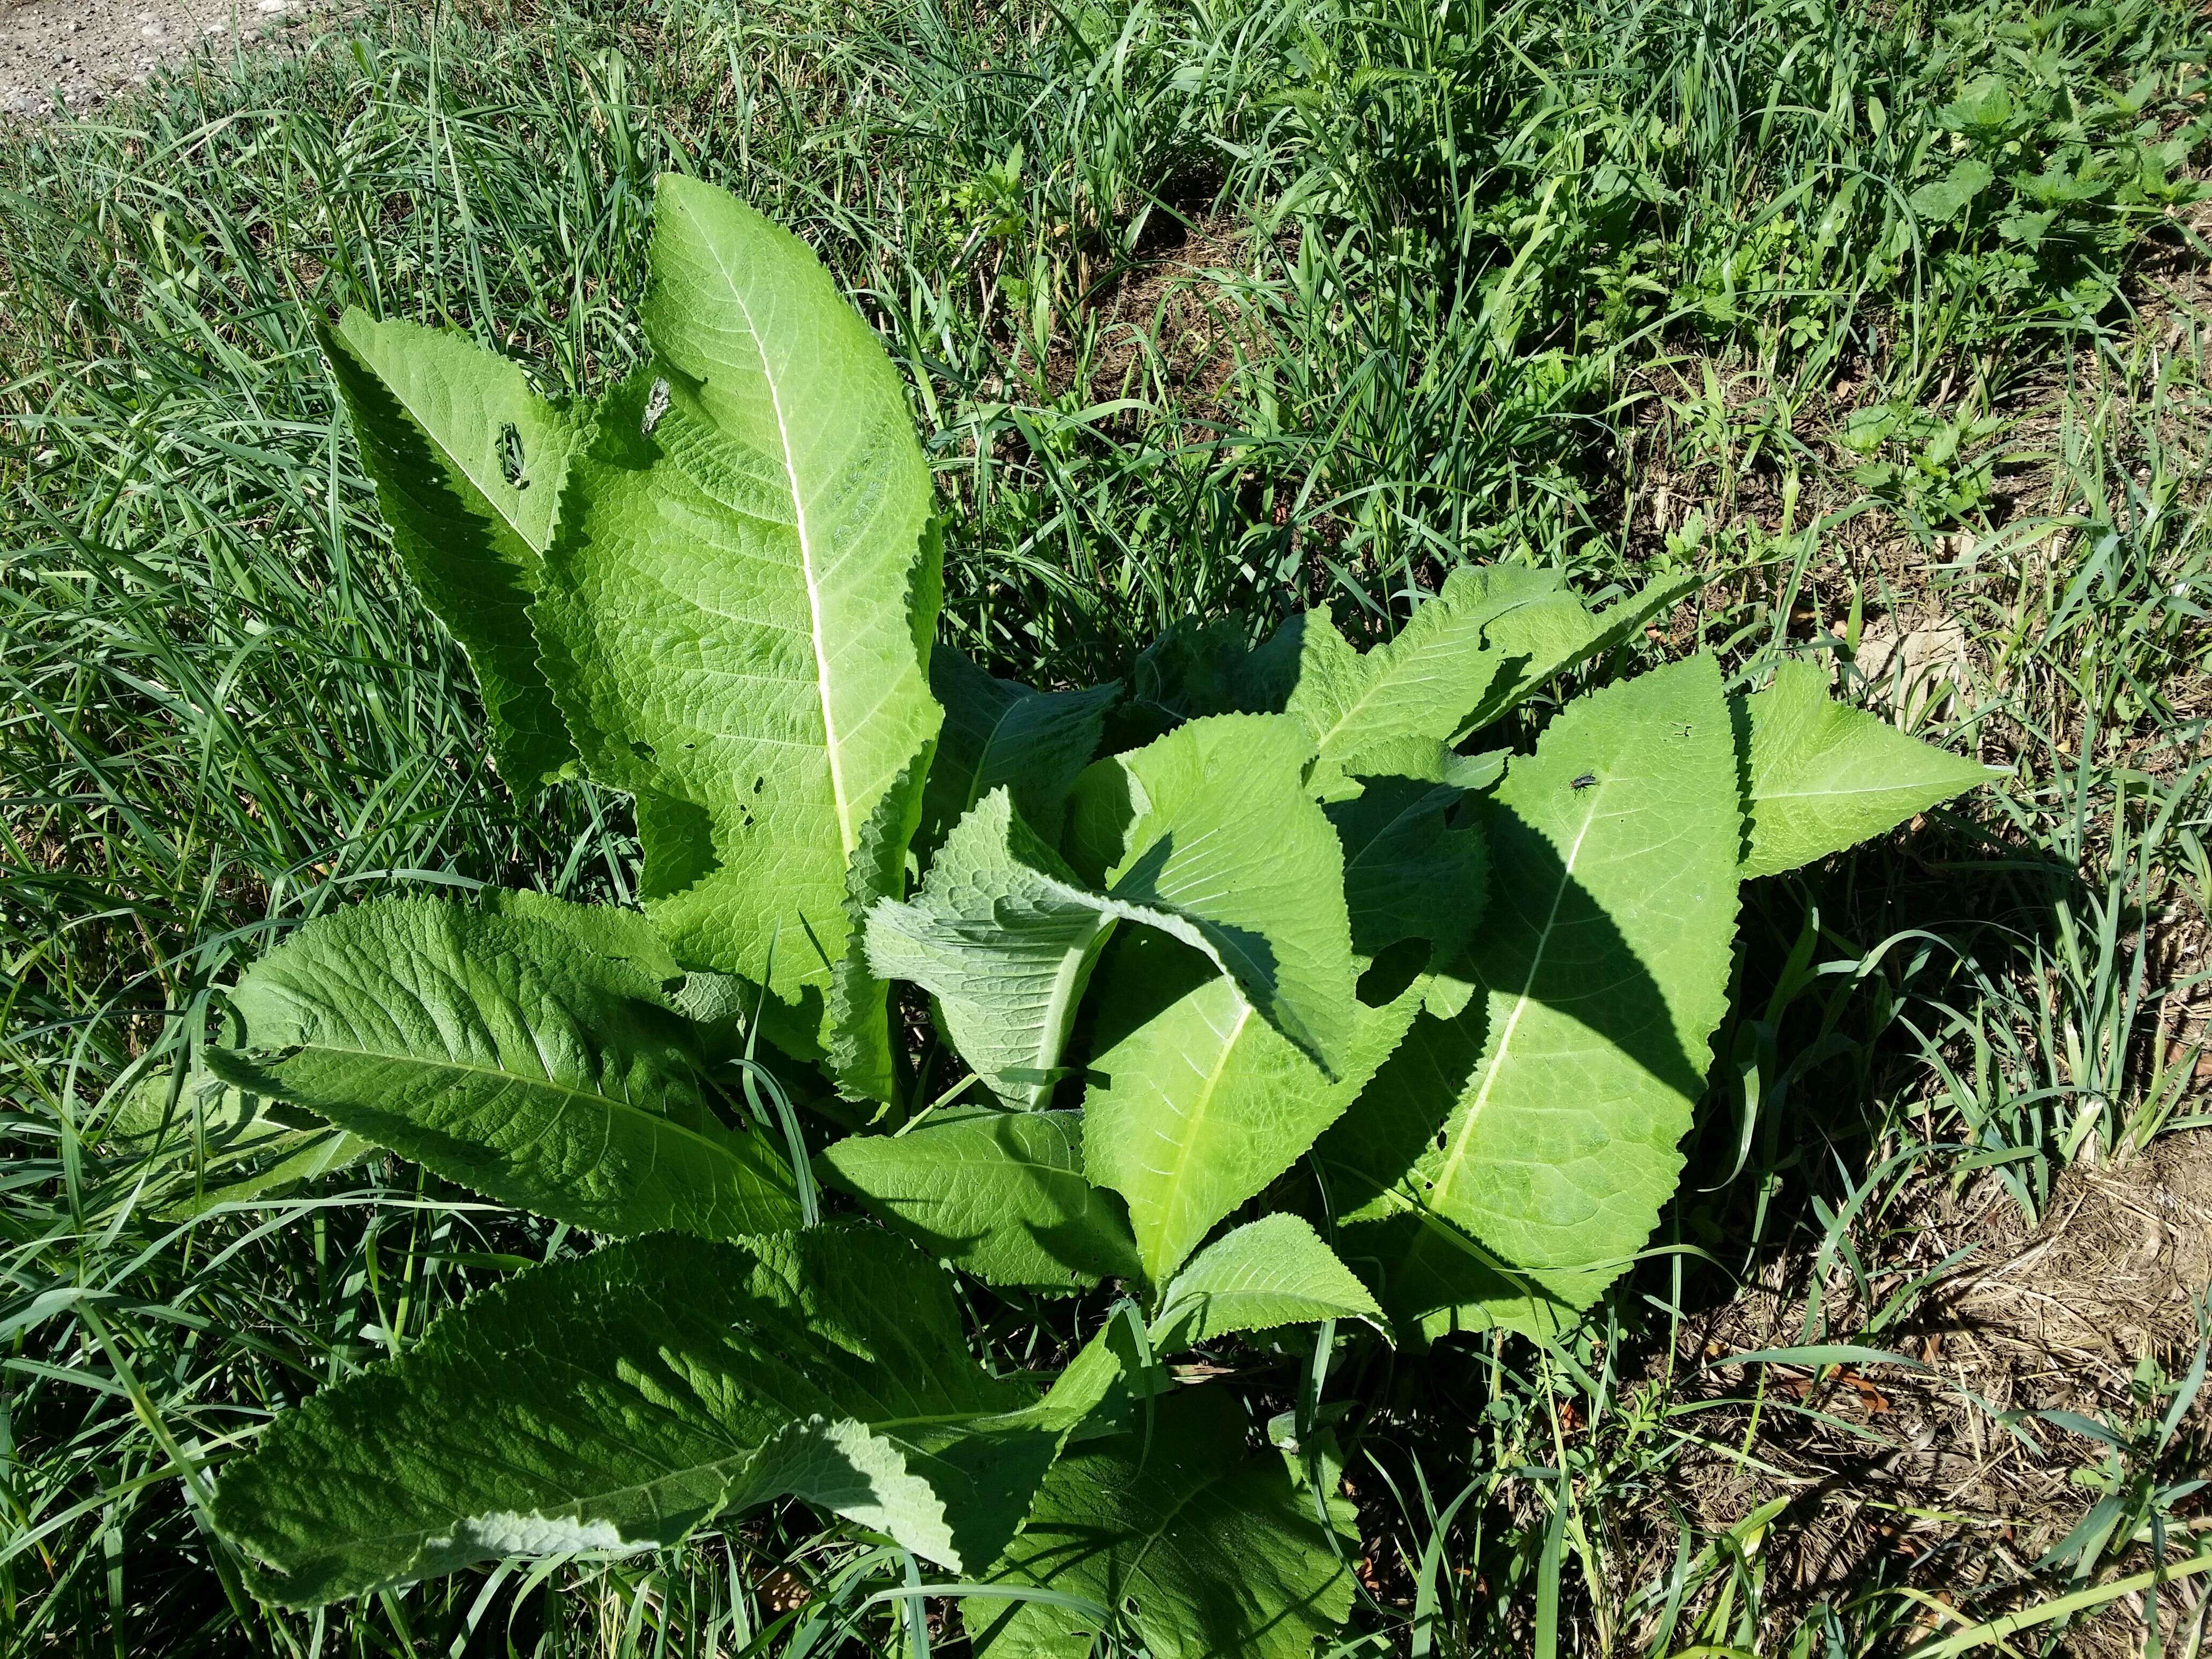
column 732, row 598
column 468, row 463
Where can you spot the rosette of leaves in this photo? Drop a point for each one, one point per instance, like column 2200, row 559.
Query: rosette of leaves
column 1273, row 910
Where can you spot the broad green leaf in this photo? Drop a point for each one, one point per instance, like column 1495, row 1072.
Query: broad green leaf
column 1491, row 636
column 1000, row 734
column 1195, row 1102
column 732, row 603
column 1533, row 625
column 490, row 1048
column 1946, row 198
column 468, row 463
column 1000, row 1194
column 1543, row 629
column 1432, row 1277
column 1213, row 822
column 601, row 929
column 617, row 1401
column 1199, row 1550
column 304, row 1157
column 1410, row 871
column 1823, row 777
column 722, row 1008
column 1005, row 936
column 1272, row 1272
column 1602, row 970
column 160, row 1111
column 1365, row 709
column 1005, row 939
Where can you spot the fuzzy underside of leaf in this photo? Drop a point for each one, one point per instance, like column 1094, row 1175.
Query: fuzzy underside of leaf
column 617, row 1401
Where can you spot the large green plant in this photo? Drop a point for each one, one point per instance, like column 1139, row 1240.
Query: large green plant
column 1285, row 917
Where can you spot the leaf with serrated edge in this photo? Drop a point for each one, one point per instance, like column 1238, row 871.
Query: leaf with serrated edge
column 1272, row 1272
column 999, row 1194
column 490, row 1048
column 1004, row 936
column 1544, row 629
column 1822, row 777
column 729, row 617
column 857, row 1022
column 625, row 935
column 1000, row 734
column 1196, row 1103
column 1205, row 1552
column 1491, row 636
column 617, row 1401
column 1213, row 822
column 1415, row 687
column 1602, row 972
column 441, row 421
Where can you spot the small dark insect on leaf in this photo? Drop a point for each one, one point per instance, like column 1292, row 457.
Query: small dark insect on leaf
column 1585, row 781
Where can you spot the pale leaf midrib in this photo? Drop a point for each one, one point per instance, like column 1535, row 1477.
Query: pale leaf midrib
column 1837, row 794
column 1455, row 1160
column 1060, row 1008
column 1193, row 1119
column 831, row 742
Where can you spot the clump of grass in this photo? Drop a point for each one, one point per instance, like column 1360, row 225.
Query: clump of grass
column 1889, row 320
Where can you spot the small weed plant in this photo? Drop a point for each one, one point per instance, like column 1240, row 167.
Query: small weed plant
column 1247, row 1005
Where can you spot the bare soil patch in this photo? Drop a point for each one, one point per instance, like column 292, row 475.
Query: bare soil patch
column 1912, row 1471
column 83, row 52
column 1173, row 322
